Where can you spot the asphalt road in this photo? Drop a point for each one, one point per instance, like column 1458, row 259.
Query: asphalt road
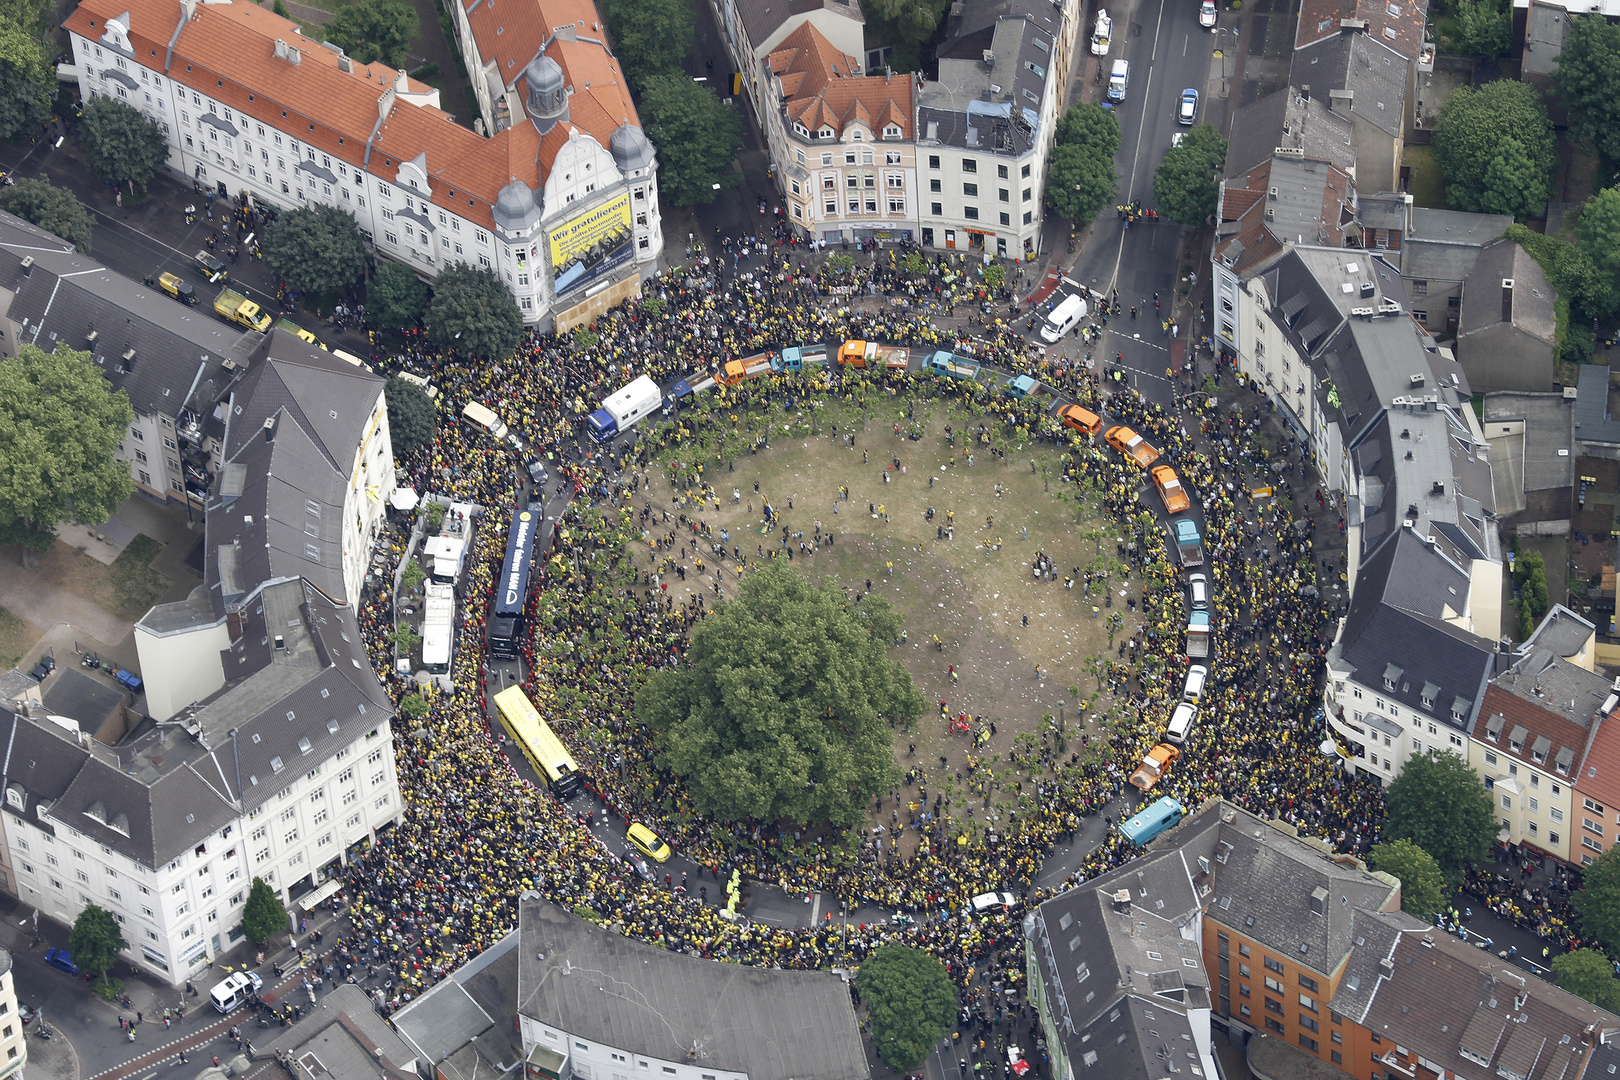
column 1168, row 52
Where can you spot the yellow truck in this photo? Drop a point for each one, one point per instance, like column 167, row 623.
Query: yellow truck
column 234, row 307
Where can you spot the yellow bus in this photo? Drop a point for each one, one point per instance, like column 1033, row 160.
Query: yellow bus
column 538, row 742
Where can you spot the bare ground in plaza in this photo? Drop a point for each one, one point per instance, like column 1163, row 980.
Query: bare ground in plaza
column 972, row 591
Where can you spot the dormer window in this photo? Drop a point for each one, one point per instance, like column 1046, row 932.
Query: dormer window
column 826, row 133
column 1430, row 692
column 859, row 136
column 1392, row 677
column 801, row 130
column 891, row 132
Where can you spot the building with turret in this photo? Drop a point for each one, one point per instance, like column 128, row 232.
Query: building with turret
column 553, row 188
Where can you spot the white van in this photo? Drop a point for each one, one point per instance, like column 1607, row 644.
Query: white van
column 1182, row 720
column 1119, row 78
column 1197, row 675
column 233, row 991
column 1065, row 317
column 992, row 901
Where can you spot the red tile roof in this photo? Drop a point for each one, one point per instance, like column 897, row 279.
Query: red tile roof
column 1599, row 777
column 1538, row 722
column 1396, row 23
column 227, row 50
column 816, row 79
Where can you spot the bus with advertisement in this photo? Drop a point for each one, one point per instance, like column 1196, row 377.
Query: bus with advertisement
column 511, row 599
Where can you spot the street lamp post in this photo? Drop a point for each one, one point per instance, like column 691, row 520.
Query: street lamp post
column 1220, row 54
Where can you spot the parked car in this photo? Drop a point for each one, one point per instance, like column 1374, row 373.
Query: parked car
column 1206, row 14
column 25, row 1012
column 647, row 842
column 991, row 901
column 1187, row 107
column 62, row 960
column 211, row 266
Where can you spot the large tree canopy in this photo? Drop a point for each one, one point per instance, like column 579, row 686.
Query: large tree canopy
column 912, row 1003
column 1422, row 883
column 1588, row 79
column 26, row 81
column 396, row 297
column 60, row 424
column 473, row 313
column 695, row 135
column 1440, row 804
column 315, row 247
column 1184, row 185
column 374, row 30
column 1080, row 177
column 411, row 415
column 650, row 37
column 95, row 940
column 1495, row 148
column 53, row 209
column 120, row 144
column 782, row 709
column 1597, row 904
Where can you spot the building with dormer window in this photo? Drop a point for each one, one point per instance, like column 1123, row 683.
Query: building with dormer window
column 554, row 189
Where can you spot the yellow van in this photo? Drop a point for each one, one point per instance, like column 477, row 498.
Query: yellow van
column 647, row 842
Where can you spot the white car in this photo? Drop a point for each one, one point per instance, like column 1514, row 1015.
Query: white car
column 1193, row 689
column 1102, row 36
column 1187, row 107
column 992, row 900
column 1206, row 14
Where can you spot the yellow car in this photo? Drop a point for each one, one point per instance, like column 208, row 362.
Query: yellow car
column 647, row 842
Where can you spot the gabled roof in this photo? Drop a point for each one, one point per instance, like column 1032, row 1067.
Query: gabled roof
column 1549, row 703
column 772, row 1024
column 1288, row 118
column 1530, row 303
column 179, row 351
column 1599, row 772
column 821, row 87
column 1472, row 1014
column 1370, row 71
column 762, row 18
column 1399, row 23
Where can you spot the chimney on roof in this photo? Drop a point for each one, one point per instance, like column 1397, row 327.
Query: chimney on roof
column 27, row 265
column 269, row 429
column 1319, row 899
column 1386, row 968
column 402, row 82
column 1507, row 300
column 188, row 9
column 1122, row 901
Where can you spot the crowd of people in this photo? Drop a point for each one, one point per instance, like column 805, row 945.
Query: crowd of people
column 443, row 884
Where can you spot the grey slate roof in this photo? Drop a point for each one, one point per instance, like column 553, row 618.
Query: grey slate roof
column 771, row 1024
column 1373, row 73
column 1442, row 245
column 88, row 700
column 954, row 111
column 1290, row 119
column 466, row 1025
column 1542, row 677
column 1138, row 1039
column 345, row 1039
column 1420, row 651
column 1592, row 421
column 180, row 351
column 1532, row 307
column 1533, row 457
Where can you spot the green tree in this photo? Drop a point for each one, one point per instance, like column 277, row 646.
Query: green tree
column 263, row 915
column 315, row 247
column 1495, row 148
column 696, row 136
column 120, row 145
column 374, row 30
column 1589, row 974
column 909, row 996
column 1530, row 575
column 1185, row 185
column 1588, row 79
column 60, row 425
column 782, row 709
column 1089, row 125
column 26, row 81
column 473, row 313
column 1422, row 883
column 1599, row 232
column 414, row 706
column 411, row 416
column 281, row 9
column 650, row 37
column 1597, row 904
column 1440, row 804
column 905, row 24
column 56, row 210
column 1479, row 28
column 396, row 297
column 95, row 940
column 1079, row 182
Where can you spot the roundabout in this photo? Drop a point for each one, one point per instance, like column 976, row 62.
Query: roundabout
column 444, row 884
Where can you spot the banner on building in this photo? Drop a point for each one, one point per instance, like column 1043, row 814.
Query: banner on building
column 590, row 245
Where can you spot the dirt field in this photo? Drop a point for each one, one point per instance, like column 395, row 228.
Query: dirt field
column 976, row 592
column 16, row 638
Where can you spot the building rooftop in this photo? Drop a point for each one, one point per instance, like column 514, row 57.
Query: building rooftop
column 1506, row 285
column 771, row 1024
column 1357, row 74
column 823, row 88
column 1541, row 709
column 1593, row 423
column 82, row 697
column 168, row 357
column 1443, row 245
column 1288, row 119
column 344, row 1039
column 1465, row 1010
column 466, row 1025
column 1400, row 25
column 992, row 104
column 762, row 18
column 1563, row 633
column 1599, row 774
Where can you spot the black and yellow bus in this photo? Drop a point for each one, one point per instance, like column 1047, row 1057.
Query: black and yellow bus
column 546, row 753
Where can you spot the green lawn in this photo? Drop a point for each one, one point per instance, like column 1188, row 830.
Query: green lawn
column 1427, row 186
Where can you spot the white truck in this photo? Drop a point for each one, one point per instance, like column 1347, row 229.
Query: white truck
column 624, row 407
column 438, row 629
column 1198, row 634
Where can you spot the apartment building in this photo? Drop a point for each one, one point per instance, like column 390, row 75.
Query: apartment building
column 281, row 774
column 1233, row 922
column 846, row 141
column 679, row 1015
column 984, row 128
column 753, row 29
column 171, row 361
column 1508, row 323
column 13, row 1044
column 1597, row 791
column 1536, row 724
column 562, row 208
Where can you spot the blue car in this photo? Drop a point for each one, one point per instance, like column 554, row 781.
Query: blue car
column 62, row 960
column 1187, row 109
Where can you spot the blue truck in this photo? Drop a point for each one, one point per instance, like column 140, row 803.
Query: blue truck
column 948, row 363
column 795, row 357
column 621, row 410
column 1188, row 543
